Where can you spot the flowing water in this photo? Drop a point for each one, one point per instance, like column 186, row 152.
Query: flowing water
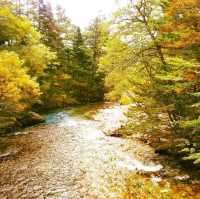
column 70, row 157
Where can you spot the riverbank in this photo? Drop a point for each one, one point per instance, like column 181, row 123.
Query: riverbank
column 166, row 143
column 11, row 124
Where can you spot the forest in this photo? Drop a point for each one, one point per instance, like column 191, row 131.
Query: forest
column 146, row 54
column 46, row 62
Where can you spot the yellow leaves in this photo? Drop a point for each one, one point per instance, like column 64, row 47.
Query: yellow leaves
column 16, row 28
column 10, row 58
column 178, row 90
column 181, row 5
column 15, row 85
column 64, row 77
column 22, row 37
column 37, row 57
column 59, row 100
column 117, row 56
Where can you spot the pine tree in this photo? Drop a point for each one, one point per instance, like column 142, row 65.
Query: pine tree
column 96, row 38
column 81, row 70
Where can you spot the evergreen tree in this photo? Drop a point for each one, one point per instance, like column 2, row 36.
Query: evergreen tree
column 81, row 71
column 96, row 38
column 56, row 80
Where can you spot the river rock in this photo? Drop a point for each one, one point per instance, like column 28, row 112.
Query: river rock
column 32, row 118
column 7, row 124
column 163, row 140
column 181, row 142
column 182, row 178
column 8, row 153
column 164, row 148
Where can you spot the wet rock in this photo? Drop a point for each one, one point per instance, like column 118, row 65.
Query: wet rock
column 181, row 142
column 182, row 178
column 114, row 133
column 164, row 148
column 163, row 140
column 32, row 118
column 9, row 152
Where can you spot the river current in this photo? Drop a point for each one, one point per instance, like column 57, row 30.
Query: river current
column 70, row 157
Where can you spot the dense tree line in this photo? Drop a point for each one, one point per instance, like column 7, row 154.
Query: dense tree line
column 45, row 61
column 153, row 60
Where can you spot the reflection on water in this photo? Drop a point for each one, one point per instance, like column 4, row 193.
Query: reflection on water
column 71, row 158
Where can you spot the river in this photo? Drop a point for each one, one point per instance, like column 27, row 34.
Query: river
column 70, row 157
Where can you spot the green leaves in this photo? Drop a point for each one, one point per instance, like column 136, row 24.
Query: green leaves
column 190, row 124
column 37, row 58
column 152, row 58
column 195, row 157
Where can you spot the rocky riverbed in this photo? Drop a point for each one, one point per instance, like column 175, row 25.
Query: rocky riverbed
column 71, row 157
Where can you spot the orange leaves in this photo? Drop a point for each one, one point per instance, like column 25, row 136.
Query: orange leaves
column 181, row 6
column 185, row 39
column 182, row 18
column 190, row 75
column 167, row 28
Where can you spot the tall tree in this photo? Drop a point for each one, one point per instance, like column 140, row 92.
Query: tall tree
column 81, row 67
column 159, row 42
column 23, row 59
column 96, row 37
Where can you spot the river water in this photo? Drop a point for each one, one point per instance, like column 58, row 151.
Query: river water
column 70, row 157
